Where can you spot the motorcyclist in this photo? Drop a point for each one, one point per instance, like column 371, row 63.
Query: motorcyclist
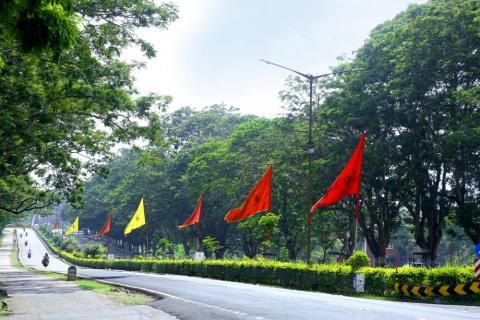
column 45, row 260
column 29, row 253
column 26, row 242
column 26, row 234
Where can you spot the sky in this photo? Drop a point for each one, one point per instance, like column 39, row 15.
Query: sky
column 211, row 54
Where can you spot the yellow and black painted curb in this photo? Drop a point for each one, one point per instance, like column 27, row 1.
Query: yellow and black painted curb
column 447, row 290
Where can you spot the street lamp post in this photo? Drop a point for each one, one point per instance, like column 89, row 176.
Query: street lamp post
column 310, row 144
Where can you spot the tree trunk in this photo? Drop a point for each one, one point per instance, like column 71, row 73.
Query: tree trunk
column 186, row 247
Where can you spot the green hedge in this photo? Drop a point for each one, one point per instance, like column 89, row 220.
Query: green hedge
column 326, row 278
column 381, row 280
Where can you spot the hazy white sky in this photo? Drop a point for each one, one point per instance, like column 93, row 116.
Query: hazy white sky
column 211, row 53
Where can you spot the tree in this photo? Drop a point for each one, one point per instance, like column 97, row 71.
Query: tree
column 250, row 236
column 418, row 69
column 39, row 25
column 62, row 112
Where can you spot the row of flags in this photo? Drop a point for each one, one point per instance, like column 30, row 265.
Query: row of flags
column 346, row 184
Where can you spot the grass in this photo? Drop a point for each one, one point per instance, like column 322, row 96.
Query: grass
column 14, row 260
column 114, row 293
column 3, row 294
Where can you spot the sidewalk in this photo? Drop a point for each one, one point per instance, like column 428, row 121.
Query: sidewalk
column 32, row 296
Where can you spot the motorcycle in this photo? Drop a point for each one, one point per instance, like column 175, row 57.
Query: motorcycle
column 45, row 261
column 29, row 253
column 26, row 243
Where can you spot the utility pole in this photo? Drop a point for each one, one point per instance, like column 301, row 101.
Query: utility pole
column 310, row 145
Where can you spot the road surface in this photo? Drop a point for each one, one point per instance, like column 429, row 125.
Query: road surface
column 198, row 298
column 34, row 296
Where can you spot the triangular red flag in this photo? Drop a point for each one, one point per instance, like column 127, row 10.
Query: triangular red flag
column 347, row 182
column 57, row 224
column 107, row 225
column 195, row 216
column 259, row 199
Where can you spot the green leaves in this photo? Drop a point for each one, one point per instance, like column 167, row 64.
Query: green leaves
column 65, row 106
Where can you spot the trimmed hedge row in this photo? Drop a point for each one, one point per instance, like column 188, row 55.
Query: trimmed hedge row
column 326, row 278
column 380, row 280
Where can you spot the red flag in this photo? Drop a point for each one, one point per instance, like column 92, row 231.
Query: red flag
column 57, row 224
column 257, row 200
column 107, row 225
column 347, row 182
column 195, row 216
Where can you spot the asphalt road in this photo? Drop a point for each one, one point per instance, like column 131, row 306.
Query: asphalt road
column 199, row 298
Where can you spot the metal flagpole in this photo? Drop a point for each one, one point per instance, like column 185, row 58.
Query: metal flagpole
column 198, row 232
column 146, row 225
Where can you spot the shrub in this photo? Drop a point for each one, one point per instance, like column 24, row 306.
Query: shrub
column 211, row 245
column 358, row 260
column 94, row 250
column 164, row 247
column 69, row 244
column 326, row 278
column 380, row 280
column 56, row 240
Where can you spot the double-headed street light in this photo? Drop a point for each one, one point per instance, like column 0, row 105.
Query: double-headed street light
column 310, row 144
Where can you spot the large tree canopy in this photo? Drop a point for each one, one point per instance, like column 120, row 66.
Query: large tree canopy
column 62, row 112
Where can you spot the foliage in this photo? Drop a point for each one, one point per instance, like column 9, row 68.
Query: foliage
column 94, row 250
column 211, row 245
column 64, row 108
column 415, row 93
column 326, row 278
column 56, row 240
column 69, row 244
column 250, row 235
column 358, row 260
column 268, row 223
column 165, row 245
column 38, row 25
column 417, row 98
column 381, row 280
column 165, row 248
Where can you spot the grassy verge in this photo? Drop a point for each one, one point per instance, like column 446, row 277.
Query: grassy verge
column 3, row 294
column 14, row 260
column 114, row 293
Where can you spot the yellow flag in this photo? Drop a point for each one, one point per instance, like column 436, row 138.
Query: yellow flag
column 137, row 220
column 73, row 227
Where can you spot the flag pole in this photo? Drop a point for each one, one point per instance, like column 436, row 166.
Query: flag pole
column 357, row 212
column 198, row 234
column 146, row 224
column 108, row 237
